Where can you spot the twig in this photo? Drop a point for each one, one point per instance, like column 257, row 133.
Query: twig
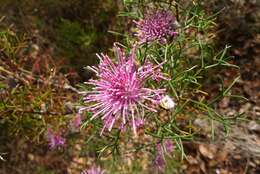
column 27, row 73
column 39, row 112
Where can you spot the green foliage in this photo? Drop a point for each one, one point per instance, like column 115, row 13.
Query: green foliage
column 190, row 60
column 72, row 36
column 10, row 43
column 29, row 101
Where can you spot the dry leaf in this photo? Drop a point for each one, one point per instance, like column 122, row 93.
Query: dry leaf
column 207, row 151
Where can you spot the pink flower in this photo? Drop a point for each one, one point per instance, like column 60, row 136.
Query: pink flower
column 93, row 170
column 166, row 148
column 76, row 121
column 157, row 74
column 156, row 26
column 119, row 92
column 54, row 139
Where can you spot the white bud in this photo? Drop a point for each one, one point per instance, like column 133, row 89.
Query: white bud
column 167, row 103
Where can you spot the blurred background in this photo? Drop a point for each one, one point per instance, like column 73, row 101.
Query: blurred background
column 73, row 30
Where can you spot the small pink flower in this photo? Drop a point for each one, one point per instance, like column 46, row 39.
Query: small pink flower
column 76, row 121
column 54, row 139
column 93, row 170
column 120, row 93
column 156, row 26
column 157, row 74
column 166, row 148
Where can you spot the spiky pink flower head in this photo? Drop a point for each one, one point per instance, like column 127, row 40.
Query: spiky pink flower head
column 165, row 148
column 93, row 170
column 54, row 139
column 120, row 93
column 158, row 25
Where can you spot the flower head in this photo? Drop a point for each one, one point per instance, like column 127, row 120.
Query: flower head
column 166, row 148
column 93, row 170
column 156, row 26
column 76, row 121
column 54, row 139
column 119, row 92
